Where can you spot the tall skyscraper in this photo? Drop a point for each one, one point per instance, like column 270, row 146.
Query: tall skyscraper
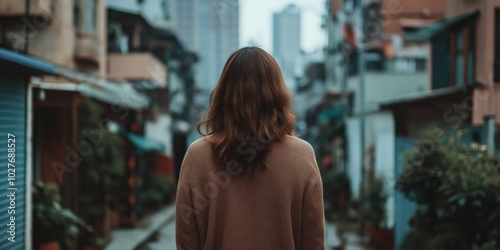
column 286, row 39
column 211, row 29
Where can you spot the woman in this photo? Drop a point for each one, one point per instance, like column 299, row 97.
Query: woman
column 249, row 183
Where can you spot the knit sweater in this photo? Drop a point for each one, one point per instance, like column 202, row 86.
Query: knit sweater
column 223, row 207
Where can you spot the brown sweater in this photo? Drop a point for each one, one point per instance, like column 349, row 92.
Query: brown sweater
column 220, row 207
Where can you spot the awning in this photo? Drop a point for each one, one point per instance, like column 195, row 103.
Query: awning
column 329, row 113
column 117, row 93
column 422, row 97
column 14, row 61
column 113, row 92
column 430, row 31
column 143, row 144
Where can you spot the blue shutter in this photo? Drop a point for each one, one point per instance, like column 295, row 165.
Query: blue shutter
column 13, row 121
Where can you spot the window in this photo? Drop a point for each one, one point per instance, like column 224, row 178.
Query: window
column 76, row 13
column 85, row 15
column 462, row 53
column 454, row 54
column 496, row 60
column 471, row 72
column 441, row 62
column 459, row 59
column 88, row 16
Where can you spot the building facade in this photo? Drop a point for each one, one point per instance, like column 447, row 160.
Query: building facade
column 210, row 27
column 286, row 40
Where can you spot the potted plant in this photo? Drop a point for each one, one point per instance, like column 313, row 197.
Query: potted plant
column 374, row 214
column 337, row 190
column 101, row 173
column 55, row 225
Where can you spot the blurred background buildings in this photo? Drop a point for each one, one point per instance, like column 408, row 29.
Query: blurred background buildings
column 102, row 98
column 286, row 41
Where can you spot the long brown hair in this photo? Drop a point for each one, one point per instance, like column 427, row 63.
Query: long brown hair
column 249, row 109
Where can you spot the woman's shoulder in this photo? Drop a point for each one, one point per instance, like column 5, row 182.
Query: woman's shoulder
column 198, row 154
column 294, row 150
column 298, row 155
column 299, row 144
column 199, row 147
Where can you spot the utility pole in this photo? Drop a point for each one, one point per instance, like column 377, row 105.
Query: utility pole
column 361, row 74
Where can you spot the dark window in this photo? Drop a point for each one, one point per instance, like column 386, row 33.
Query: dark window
column 462, row 55
column 459, row 58
column 471, row 72
column 441, row 62
column 421, row 64
column 76, row 13
column 497, row 47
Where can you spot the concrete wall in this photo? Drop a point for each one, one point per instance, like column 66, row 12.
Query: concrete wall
column 384, row 86
column 380, row 136
column 55, row 41
column 160, row 131
column 394, row 11
column 54, row 37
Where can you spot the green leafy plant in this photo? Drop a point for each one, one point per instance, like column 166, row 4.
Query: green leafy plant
column 335, row 185
column 457, row 188
column 157, row 188
column 53, row 221
column 374, row 202
column 102, row 171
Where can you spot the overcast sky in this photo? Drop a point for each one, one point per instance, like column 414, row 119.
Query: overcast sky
column 256, row 22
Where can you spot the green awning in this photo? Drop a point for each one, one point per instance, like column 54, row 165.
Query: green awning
column 327, row 114
column 144, row 144
column 430, row 31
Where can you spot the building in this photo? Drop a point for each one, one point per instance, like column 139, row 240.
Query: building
column 155, row 12
column 393, row 68
column 286, row 41
column 71, row 70
column 156, row 41
column 426, row 63
column 210, row 27
column 464, row 91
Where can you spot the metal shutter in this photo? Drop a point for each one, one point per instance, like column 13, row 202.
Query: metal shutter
column 13, row 121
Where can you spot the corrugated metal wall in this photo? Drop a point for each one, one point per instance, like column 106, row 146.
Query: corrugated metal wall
column 12, row 121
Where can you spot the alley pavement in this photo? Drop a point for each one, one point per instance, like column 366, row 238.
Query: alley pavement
column 166, row 238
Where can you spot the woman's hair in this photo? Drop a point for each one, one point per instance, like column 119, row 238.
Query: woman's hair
column 249, row 109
